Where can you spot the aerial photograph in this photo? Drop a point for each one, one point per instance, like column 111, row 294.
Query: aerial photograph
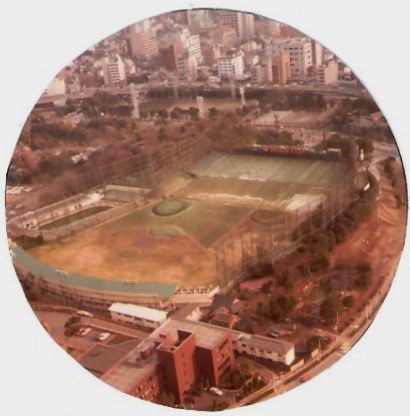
column 206, row 209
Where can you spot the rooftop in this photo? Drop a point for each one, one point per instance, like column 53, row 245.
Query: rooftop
column 138, row 311
column 126, row 374
column 206, row 336
column 100, row 359
column 263, row 343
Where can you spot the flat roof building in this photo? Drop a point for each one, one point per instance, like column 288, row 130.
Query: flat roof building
column 231, row 65
column 300, row 54
column 137, row 315
column 328, row 73
column 113, row 70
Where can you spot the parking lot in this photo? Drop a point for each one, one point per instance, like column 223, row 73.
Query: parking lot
column 81, row 337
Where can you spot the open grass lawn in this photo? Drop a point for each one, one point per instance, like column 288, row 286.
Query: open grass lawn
column 202, row 221
column 283, row 170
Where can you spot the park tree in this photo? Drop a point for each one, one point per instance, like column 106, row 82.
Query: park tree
column 330, row 308
column 280, row 307
column 163, row 114
column 365, row 273
column 348, row 301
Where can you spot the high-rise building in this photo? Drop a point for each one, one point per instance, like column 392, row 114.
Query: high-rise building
column 281, row 68
column 224, row 35
column 328, row 73
column 143, row 45
column 169, row 56
column 300, row 54
column 113, row 70
column 191, row 44
column 231, row 65
column 268, row 28
column 187, row 67
column 243, row 23
column 317, row 53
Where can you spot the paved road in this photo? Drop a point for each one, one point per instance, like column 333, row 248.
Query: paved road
column 339, row 90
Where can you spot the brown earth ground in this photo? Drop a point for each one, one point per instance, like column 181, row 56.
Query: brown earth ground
column 137, row 255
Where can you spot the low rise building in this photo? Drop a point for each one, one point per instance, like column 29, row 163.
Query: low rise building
column 264, row 347
column 137, row 315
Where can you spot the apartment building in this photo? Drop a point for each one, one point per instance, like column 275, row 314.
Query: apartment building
column 113, row 70
column 142, row 44
column 328, row 73
column 231, row 65
column 300, row 54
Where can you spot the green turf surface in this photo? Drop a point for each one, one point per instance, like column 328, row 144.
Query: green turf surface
column 285, row 170
column 73, row 218
column 205, row 222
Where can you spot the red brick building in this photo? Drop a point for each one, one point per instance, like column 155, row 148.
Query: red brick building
column 169, row 56
column 172, row 359
column 176, row 367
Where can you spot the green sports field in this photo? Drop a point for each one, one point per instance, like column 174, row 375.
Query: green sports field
column 275, row 169
column 202, row 221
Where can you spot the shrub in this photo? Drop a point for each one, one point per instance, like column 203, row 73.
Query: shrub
column 348, row 301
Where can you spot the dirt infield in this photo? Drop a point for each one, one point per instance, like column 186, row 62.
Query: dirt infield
column 131, row 254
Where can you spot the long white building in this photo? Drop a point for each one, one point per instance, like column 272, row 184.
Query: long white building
column 137, row 315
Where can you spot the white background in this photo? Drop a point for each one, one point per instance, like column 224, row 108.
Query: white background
column 37, row 39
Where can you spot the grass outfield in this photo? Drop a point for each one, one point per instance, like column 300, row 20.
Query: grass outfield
column 204, row 222
column 284, row 170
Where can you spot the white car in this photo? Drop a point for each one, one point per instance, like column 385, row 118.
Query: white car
column 85, row 313
column 85, row 331
column 103, row 336
column 216, row 391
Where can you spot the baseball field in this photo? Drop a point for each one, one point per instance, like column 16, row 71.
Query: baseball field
column 174, row 239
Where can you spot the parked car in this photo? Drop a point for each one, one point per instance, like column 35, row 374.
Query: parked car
column 84, row 331
column 85, row 313
column 103, row 336
column 305, row 377
column 216, row 391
